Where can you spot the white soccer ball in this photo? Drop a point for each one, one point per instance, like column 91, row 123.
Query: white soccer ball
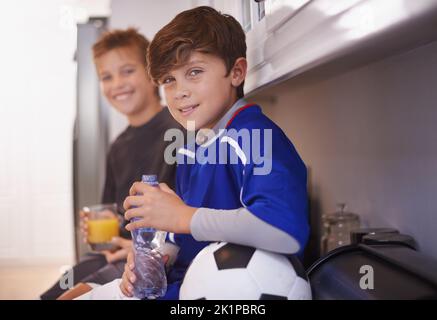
column 226, row 271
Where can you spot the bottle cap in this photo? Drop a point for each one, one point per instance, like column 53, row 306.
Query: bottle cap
column 149, row 178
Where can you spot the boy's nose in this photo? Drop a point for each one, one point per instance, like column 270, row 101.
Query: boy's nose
column 118, row 82
column 182, row 92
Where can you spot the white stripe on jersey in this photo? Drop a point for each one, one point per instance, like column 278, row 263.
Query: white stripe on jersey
column 171, row 237
column 187, row 152
column 238, row 150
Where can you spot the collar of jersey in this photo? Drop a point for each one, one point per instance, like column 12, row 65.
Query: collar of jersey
column 204, row 140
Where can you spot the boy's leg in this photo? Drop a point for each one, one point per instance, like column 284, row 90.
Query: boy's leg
column 78, row 290
column 109, row 291
column 89, row 264
column 104, row 275
column 107, row 273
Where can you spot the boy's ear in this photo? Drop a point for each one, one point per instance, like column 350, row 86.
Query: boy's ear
column 238, row 72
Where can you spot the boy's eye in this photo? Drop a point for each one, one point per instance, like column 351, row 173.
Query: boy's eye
column 167, row 80
column 128, row 71
column 105, row 78
column 194, row 72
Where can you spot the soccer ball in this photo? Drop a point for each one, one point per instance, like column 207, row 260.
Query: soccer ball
column 226, row 271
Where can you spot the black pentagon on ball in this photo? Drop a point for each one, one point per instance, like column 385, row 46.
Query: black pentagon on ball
column 233, row 256
column 266, row 296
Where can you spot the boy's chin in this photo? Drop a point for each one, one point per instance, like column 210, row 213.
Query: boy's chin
column 125, row 110
column 189, row 125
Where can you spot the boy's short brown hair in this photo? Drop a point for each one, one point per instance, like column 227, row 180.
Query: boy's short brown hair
column 114, row 39
column 117, row 38
column 201, row 29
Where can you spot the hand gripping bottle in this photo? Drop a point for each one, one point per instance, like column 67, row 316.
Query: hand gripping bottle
column 151, row 280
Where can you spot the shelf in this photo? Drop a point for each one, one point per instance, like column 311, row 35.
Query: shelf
column 320, row 32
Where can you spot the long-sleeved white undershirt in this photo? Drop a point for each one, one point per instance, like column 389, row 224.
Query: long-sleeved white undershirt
column 240, row 226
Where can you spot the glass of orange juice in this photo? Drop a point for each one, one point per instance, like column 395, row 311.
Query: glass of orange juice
column 103, row 225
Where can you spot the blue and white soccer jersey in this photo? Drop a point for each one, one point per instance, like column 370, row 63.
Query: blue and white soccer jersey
column 274, row 189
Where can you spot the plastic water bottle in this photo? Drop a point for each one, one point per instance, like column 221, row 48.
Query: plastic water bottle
column 151, row 280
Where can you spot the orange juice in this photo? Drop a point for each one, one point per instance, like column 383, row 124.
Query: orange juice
column 102, row 230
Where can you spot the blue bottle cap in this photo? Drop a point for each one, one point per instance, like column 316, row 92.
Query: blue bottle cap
column 149, row 178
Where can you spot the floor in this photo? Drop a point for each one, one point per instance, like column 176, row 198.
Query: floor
column 27, row 282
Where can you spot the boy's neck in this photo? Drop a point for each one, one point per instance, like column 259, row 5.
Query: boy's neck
column 146, row 115
column 225, row 114
column 231, row 103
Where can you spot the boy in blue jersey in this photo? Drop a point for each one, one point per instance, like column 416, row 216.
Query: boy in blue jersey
column 249, row 191
column 241, row 180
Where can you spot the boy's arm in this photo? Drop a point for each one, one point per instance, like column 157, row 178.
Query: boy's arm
column 240, row 226
column 273, row 197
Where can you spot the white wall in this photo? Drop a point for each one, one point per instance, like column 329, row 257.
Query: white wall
column 369, row 138
column 37, row 109
column 149, row 16
column 37, row 112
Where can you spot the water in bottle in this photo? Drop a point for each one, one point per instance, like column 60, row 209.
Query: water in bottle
column 151, row 281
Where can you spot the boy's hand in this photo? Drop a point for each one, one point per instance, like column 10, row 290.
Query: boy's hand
column 84, row 225
column 128, row 278
column 159, row 208
column 125, row 247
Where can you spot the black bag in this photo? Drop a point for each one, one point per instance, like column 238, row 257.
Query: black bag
column 380, row 266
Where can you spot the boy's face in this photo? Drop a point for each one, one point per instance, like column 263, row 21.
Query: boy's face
column 200, row 91
column 124, row 81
